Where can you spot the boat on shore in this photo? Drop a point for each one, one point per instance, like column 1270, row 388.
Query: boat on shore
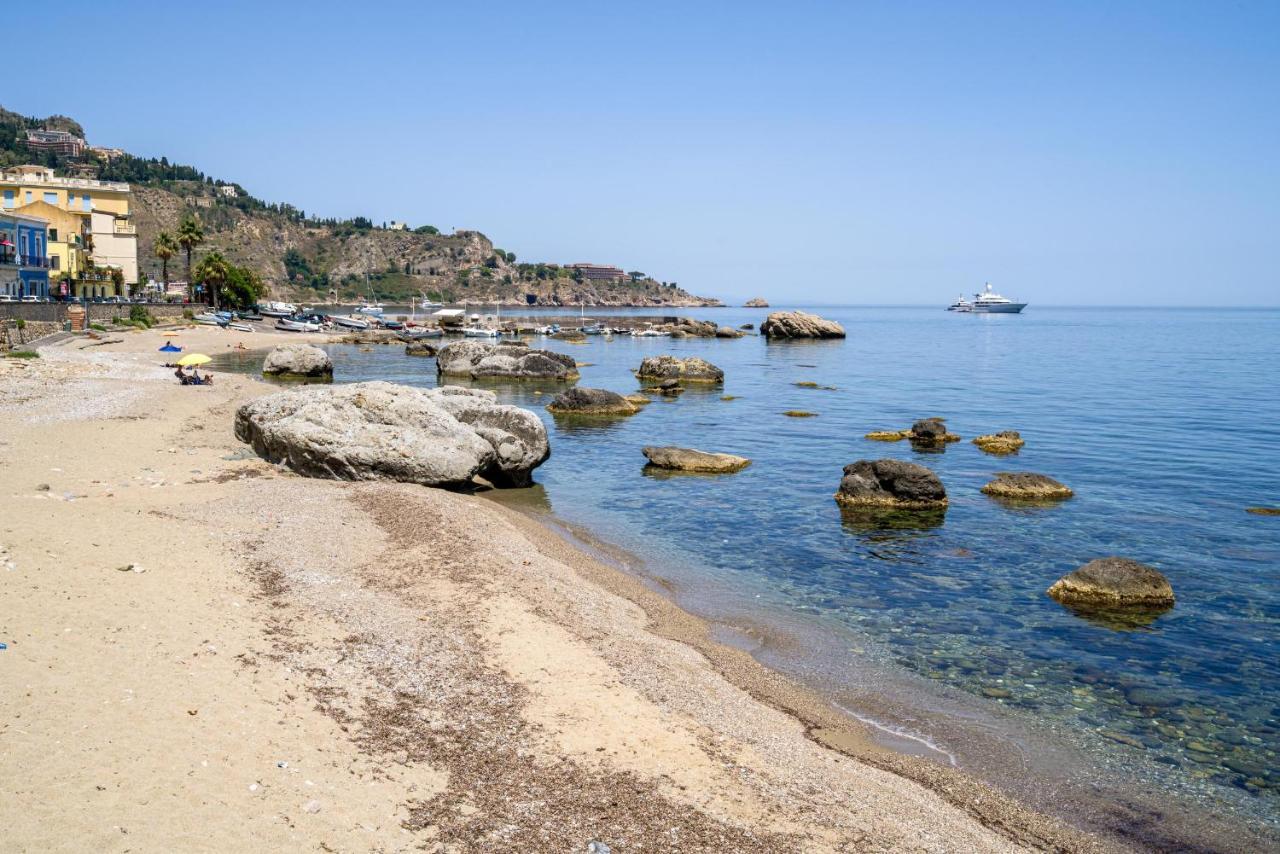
column 277, row 309
column 351, row 322
column 297, row 324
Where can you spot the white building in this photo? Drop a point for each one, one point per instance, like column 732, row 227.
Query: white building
column 115, row 243
column 396, row 225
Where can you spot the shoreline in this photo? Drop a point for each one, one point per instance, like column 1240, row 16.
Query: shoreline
column 594, row 657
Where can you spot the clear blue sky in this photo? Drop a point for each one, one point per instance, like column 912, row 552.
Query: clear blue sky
column 1110, row 152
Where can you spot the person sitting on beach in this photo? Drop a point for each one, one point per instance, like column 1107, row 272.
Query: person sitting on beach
column 182, row 376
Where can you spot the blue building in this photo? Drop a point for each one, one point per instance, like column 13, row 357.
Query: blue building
column 24, row 255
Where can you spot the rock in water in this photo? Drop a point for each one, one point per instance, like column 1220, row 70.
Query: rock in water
column 1026, row 486
column 383, row 431
column 690, row 369
column 688, row 459
column 747, row 326
column 728, row 332
column 478, row 359
column 419, row 348
column 591, row 401
column 1113, row 582
column 799, row 324
column 1004, row 442
column 570, row 335
column 298, row 360
column 756, row 302
column 931, row 431
column 890, row 484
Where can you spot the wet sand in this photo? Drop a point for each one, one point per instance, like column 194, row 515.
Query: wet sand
column 207, row 652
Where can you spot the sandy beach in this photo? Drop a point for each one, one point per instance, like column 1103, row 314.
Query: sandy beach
column 206, row 652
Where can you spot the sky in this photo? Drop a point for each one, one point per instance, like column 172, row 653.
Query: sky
column 843, row 153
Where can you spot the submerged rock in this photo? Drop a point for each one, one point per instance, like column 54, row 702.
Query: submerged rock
column 420, row 348
column 1114, row 583
column 1263, row 511
column 479, row 360
column 1026, row 486
column 690, row 369
column 890, row 484
column 800, row 413
column 298, row 360
column 591, row 401
column 799, row 324
column 384, row 431
column 1004, row 442
column 887, row 435
column 689, row 459
column 670, row 387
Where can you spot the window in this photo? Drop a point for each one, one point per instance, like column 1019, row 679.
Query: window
column 86, row 203
column 55, row 262
column 51, row 198
column 8, row 198
column 53, row 235
column 29, row 197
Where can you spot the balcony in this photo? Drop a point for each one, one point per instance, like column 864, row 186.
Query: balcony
column 122, row 227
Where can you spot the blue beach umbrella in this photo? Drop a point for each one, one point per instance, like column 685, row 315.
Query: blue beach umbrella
column 169, row 348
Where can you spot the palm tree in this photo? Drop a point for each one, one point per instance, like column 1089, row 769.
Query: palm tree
column 164, row 248
column 213, row 271
column 190, row 235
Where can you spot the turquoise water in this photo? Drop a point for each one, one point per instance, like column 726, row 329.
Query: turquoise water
column 1166, row 423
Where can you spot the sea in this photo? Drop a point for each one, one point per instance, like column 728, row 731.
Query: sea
column 935, row 629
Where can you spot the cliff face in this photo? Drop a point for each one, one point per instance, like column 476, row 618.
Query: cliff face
column 332, row 261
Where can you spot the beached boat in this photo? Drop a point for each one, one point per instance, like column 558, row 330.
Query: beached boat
column 351, row 322
column 990, row 302
column 297, row 324
column 392, row 324
column 277, row 309
column 424, row 332
column 210, row 318
column 240, row 327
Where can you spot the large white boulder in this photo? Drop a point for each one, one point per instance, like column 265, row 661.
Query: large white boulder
column 298, row 360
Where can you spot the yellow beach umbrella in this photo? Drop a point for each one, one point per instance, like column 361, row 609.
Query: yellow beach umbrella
column 193, row 359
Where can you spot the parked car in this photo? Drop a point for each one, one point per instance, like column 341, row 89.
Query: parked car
column 8, row 298
column 31, row 298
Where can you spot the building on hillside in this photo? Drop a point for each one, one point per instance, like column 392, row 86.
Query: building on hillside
column 108, row 234
column 601, row 272
column 57, row 141
column 396, row 225
column 24, row 264
column 107, row 153
column 228, row 190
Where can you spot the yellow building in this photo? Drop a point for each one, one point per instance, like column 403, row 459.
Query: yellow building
column 92, row 214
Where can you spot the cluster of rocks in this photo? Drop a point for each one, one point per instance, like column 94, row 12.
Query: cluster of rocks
column 799, row 324
column 756, row 302
column 298, row 361
column 384, row 431
column 1106, row 584
column 687, row 369
column 927, row 432
column 510, row 360
column 575, row 335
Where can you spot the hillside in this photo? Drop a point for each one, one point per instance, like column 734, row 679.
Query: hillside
column 307, row 258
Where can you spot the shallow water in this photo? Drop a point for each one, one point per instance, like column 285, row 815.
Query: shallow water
column 1166, row 423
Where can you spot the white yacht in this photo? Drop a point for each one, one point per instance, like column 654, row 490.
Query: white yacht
column 990, row 302
column 960, row 304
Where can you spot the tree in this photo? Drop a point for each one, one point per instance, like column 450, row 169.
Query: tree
column 213, row 272
column 117, row 279
column 243, row 287
column 190, row 235
column 164, row 248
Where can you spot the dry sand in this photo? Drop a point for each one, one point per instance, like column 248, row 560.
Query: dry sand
column 294, row 664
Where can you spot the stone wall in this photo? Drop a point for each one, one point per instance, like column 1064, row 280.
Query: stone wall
column 40, row 319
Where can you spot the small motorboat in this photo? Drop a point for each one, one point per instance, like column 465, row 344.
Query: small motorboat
column 423, row 332
column 371, row 309
column 392, row 324
column 481, row 332
column 296, row 324
column 209, row 318
column 249, row 316
column 277, row 309
column 593, row 329
column 351, row 322
column 239, row 327
column 647, row 333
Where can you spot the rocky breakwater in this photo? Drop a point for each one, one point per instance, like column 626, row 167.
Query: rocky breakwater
column 692, row 460
column 1113, row 583
column 799, row 324
column 591, row 402
column 690, row 370
column 890, row 485
column 480, row 360
column 383, row 431
column 298, row 361
column 1026, row 486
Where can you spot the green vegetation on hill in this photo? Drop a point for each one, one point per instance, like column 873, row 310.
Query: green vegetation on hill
column 304, row 257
